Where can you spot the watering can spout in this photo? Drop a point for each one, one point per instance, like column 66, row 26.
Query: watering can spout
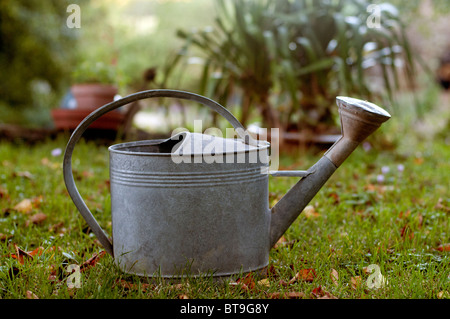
column 359, row 119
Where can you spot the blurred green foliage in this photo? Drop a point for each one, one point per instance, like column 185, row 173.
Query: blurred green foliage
column 287, row 60
column 35, row 49
column 94, row 72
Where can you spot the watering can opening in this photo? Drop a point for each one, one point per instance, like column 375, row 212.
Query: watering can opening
column 187, row 144
column 158, row 146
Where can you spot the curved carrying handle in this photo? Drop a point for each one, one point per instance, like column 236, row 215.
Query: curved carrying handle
column 76, row 135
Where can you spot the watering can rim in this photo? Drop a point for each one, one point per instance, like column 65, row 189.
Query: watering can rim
column 118, row 148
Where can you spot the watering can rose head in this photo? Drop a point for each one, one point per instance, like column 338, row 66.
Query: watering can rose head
column 199, row 203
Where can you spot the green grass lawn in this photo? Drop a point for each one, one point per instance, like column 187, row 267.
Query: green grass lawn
column 387, row 206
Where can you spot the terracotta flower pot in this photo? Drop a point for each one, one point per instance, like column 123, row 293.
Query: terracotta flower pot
column 66, row 119
column 91, row 96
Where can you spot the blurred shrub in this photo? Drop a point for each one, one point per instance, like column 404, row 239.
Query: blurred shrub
column 35, row 50
column 287, row 60
column 94, row 72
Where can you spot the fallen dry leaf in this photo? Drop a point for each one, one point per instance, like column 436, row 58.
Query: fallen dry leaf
column 87, row 174
column 31, row 295
column 334, row 277
column 132, row 286
column 178, row 286
column 4, row 237
column 25, row 174
column 321, row 293
column 3, row 192
column 25, row 206
column 53, row 165
column 336, row 198
column 441, row 206
column 443, row 294
column 406, row 230
column 264, row 282
column 418, row 160
column 280, row 242
column 21, row 255
column 420, row 220
column 310, row 212
column 304, row 274
column 404, row 214
column 91, row 262
column 286, row 295
column 183, row 296
column 58, row 227
column 247, row 282
column 38, row 251
column 444, row 247
column 356, row 282
column 38, row 218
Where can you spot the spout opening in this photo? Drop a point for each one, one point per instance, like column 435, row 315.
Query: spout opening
column 363, row 110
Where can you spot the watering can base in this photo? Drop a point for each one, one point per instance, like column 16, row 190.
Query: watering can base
column 186, row 273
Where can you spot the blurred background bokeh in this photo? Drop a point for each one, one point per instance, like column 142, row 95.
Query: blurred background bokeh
column 273, row 63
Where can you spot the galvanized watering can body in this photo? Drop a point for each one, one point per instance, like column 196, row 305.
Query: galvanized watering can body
column 193, row 215
column 183, row 211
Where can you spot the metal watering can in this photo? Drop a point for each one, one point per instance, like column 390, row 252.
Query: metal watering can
column 178, row 210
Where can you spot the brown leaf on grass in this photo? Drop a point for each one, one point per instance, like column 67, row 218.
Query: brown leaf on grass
column 13, row 271
column 264, row 282
column 38, row 251
column 91, row 262
column 183, row 296
column 53, row 165
column 280, row 242
column 418, row 160
column 58, row 227
column 419, row 220
column 286, row 295
column 404, row 214
column 131, row 286
column 22, row 255
column 28, row 204
column 37, row 218
column 334, row 277
column 444, row 247
column 178, row 286
column 336, row 198
column 272, row 271
column 31, row 295
column 355, row 282
column 3, row 192
column 25, row 206
column 303, row 275
column 247, row 282
column 4, row 237
column 310, row 212
column 25, row 174
column 87, row 174
column 441, row 206
column 406, row 232
column 443, row 295
column 321, row 293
